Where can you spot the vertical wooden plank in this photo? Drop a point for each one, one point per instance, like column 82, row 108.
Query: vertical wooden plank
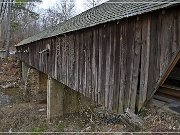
column 70, row 61
column 73, row 62
column 129, row 62
column 83, row 79
column 66, row 58
column 95, row 63
column 161, row 44
column 103, row 62
column 107, row 58
column 122, row 73
column 178, row 29
column 77, row 61
column 60, row 58
column 56, row 58
column 38, row 49
column 117, row 68
column 68, row 55
column 63, row 58
column 52, row 57
column 90, row 53
column 81, row 65
column 144, row 61
column 154, row 53
column 153, row 58
column 112, row 67
column 136, row 64
column 100, row 66
column 85, row 61
column 176, row 32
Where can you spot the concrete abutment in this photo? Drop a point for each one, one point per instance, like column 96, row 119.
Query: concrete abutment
column 60, row 98
column 63, row 100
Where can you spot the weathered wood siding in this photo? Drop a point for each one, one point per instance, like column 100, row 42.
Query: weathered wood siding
column 118, row 64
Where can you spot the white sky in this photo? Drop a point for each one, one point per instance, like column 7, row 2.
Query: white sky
column 47, row 3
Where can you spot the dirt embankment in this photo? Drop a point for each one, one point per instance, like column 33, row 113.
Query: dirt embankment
column 9, row 71
column 31, row 117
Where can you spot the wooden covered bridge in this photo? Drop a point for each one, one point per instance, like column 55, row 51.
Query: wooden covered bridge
column 117, row 54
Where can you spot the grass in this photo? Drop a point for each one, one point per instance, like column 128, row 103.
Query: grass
column 60, row 127
column 40, row 128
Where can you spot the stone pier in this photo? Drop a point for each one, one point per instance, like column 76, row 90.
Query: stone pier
column 35, row 83
column 24, row 71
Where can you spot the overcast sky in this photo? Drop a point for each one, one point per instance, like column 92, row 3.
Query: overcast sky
column 78, row 3
column 47, row 3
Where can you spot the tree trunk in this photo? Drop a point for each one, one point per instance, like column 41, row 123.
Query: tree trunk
column 0, row 37
column 8, row 29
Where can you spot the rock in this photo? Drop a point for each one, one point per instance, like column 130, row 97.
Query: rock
column 4, row 99
column 10, row 130
column 107, row 116
column 131, row 119
column 86, row 129
column 9, row 85
column 41, row 110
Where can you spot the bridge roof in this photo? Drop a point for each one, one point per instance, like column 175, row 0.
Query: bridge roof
column 106, row 12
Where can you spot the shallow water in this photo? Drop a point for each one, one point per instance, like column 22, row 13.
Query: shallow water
column 8, row 96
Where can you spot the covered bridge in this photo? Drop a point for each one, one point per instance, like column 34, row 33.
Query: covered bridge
column 117, row 53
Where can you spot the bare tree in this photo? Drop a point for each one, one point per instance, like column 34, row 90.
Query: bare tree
column 92, row 3
column 23, row 22
column 15, row 16
column 62, row 11
column 3, row 6
column 67, row 8
column 8, row 28
column 20, row 21
column 50, row 17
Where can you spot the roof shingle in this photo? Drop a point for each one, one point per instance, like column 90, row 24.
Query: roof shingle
column 106, row 12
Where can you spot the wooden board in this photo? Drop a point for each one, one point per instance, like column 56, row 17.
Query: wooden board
column 145, row 53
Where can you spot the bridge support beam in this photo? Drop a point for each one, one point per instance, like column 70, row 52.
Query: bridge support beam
column 60, row 98
column 54, row 98
column 63, row 100
column 24, row 71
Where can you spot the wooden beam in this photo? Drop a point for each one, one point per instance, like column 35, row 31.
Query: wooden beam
column 169, row 91
column 166, row 73
column 170, row 68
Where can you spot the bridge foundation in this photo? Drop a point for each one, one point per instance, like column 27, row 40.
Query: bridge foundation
column 54, row 98
column 35, row 83
column 60, row 98
column 63, row 100
column 24, row 71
